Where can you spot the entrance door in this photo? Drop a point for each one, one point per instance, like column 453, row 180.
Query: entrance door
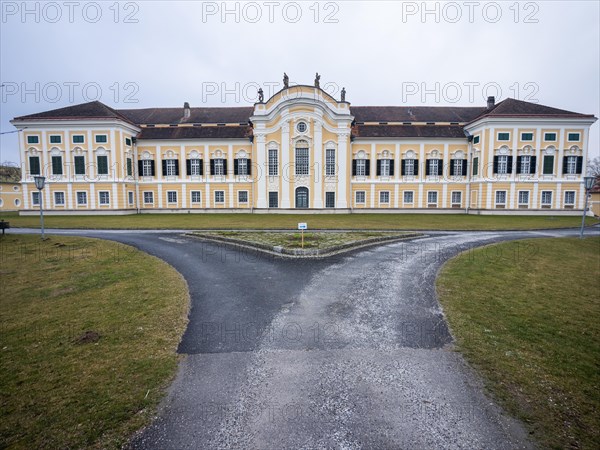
column 302, row 197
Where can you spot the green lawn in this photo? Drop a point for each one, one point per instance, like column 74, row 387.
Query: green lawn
column 526, row 314
column 88, row 334
column 290, row 221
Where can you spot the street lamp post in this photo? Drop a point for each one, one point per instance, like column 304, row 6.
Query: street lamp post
column 39, row 184
column 588, row 183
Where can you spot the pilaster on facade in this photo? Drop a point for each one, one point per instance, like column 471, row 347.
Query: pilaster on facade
column 319, row 168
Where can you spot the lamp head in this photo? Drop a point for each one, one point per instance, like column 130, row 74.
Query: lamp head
column 39, row 182
column 588, row 182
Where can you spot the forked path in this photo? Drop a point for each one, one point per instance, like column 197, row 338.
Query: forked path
column 346, row 352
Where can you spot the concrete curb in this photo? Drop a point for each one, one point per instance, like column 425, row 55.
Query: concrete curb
column 297, row 253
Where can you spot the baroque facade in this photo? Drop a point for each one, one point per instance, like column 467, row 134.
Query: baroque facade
column 304, row 150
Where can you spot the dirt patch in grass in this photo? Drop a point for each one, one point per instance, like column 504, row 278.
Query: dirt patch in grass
column 526, row 314
column 88, row 338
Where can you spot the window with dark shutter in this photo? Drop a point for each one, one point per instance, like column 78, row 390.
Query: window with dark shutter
column 464, row 168
column 440, row 167
column 475, row 166
column 579, row 167
column 378, row 170
column 496, row 164
column 548, row 164
column 509, row 164
column 533, row 163
column 34, row 165
column 353, row 167
column 57, row 165
column 79, row 165
column 102, row 164
column 129, row 167
column 367, row 167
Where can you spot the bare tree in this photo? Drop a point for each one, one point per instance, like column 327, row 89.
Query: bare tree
column 593, row 167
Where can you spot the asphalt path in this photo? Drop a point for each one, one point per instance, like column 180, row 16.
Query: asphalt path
column 350, row 351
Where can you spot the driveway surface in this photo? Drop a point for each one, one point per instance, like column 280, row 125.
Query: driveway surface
column 347, row 352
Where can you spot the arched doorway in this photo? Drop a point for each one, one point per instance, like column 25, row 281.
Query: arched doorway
column 302, row 197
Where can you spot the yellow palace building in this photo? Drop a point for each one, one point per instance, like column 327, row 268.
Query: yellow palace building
column 303, row 150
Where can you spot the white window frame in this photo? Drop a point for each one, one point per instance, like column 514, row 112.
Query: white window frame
column 103, row 142
column 196, row 202
column 276, row 198
column 330, row 162
column 503, row 140
column 170, row 200
column 147, row 194
column 571, row 165
column 219, row 164
column 458, row 165
column 519, row 201
column 434, row 167
column 432, row 193
column 412, row 198
column 247, row 196
column 496, row 200
column 77, row 198
column 130, row 197
column 502, row 164
column 573, row 140
column 567, row 203
column 546, row 194
column 273, row 162
column 409, row 167
column 77, row 135
column 550, row 140
column 452, row 200
column 146, row 168
column 361, row 167
column 383, row 201
column 242, row 166
column 364, row 197
column 525, row 164
column 195, row 167
column 219, row 194
column 35, row 195
column 37, row 140
column 528, row 132
column 62, row 193
column 302, row 161
column 171, row 166
column 384, row 167
column 54, row 136
column 100, row 202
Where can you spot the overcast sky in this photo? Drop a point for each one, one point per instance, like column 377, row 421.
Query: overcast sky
column 153, row 53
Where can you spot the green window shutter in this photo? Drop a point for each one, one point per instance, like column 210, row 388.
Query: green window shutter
column 57, row 165
column 548, row 164
column 34, row 165
column 475, row 166
column 79, row 165
column 129, row 167
column 102, row 165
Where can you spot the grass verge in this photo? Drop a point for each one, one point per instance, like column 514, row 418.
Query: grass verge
column 290, row 221
column 526, row 314
column 88, row 332
column 312, row 240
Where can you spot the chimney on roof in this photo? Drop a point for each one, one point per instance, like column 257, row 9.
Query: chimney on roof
column 491, row 102
column 186, row 110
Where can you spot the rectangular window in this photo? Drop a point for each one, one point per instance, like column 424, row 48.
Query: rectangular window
column 78, row 139
column 457, row 167
column 196, row 196
column 330, row 162
column 570, row 198
column 242, row 166
column 101, row 139
column 34, row 165
column 104, row 197
column 171, row 167
column 409, row 167
column 525, row 164
column 476, row 140
column 219, row 196
column 432, row 198
column 59, row 198
column 329, row 199
column 500, row 198
column 273, row 200
column 456, row 199
column 219, row 165
column 384, row 167
column 79, row 162
column 148, row 197
column 384, row 197
column 147, row 168
column 571, row 168
column 82, row 198
column 302, row 161
column 33, row 139
column 195, row 167
column 523, row 198
column 548, row 164
column 243, row 196
column 130, row 197
column 171, row 196
column 102, row 164
column 129, row 167
column 434, row 166
column 504, row 136
column 409, row 197
column 475, row 166
column 502, row 165
column 527, row 137
column 273, row 163
column 57, row 168
column 550, row 137
column 546, row 198
column 128, row 142
column 55, row 139
column 361, row 167
column 35, row 198
column 360, row 196
column 573, row 137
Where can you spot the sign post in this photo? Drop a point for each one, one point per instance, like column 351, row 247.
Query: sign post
column 302, row 226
